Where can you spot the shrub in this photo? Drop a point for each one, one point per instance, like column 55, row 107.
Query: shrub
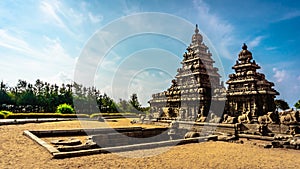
column 65, row 109
column 4, row 114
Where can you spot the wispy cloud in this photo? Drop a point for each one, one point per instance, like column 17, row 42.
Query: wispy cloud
column 279, row 75
column 95, row 18
column 29, row 62
column 129, row 9
column 7, row 40
column 287, row 84
column 51, row 11
column 63, row 17
column 256, row 41
column 271, row 48
column 218, row 30
column 11, row 42
column 289, row 15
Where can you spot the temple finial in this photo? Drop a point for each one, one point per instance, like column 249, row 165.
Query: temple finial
column 244, row 47
column 196, row 30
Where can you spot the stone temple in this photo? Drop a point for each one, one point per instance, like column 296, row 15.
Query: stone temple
column 248, row 90
column 197, row 88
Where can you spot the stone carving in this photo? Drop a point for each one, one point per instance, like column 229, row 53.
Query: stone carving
column 290, row 117
column 270, row 117
column 201, row 118
column 191, row 134
column 229, row 119
column 245, row 117
column 214, row 118
column 293, row 129
column 173, row 133
column 263, row 129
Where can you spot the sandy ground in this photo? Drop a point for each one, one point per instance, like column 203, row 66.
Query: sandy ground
column 18, row 151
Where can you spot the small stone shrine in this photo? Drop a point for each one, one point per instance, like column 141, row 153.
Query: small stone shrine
column 248, row 91
column 197, row 88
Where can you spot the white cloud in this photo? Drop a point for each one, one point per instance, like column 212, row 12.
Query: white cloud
column 56, row 53
column 95, row 18
column 24, row 61
column 279, row 75
column 255, row 42
column 59, row 78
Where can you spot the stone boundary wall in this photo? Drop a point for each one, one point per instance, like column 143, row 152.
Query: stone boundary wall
column 224, row 128
column 273, row 128
column 202, row 126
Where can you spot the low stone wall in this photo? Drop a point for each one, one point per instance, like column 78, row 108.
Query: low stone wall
column 202, row 127
column 225, row 128
column 209, row 127
column 129, row 138
column 80, row 132
column 273, row 128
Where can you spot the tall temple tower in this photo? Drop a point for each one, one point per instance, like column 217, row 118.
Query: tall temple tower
column 248, row 90
column 196, row 89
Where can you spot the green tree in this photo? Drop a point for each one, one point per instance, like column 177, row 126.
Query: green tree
column 106, row 104
column 281, row 104
column 134, row 101
column 27, row 98
column 297, row 105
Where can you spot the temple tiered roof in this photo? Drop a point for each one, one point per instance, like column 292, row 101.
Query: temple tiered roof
column 248, row 90
column 196, row 86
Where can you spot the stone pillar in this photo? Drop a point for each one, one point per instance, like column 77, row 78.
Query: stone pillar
column 249, row 105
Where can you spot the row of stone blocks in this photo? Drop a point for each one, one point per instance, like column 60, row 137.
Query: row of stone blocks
column 230, row 128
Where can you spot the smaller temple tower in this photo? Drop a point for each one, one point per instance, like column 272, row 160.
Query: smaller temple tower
column 248, row 90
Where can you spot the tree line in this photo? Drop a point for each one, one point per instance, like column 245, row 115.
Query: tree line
column 45, row 97
column 283, row 105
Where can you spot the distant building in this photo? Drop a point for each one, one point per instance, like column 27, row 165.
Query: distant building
column 248, row 90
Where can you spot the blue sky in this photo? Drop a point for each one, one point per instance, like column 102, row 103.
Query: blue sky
column 45, row 39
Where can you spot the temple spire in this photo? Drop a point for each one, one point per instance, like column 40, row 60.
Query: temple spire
column 196, row 30
column 244, row 47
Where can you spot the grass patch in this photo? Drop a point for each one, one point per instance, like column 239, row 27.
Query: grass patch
column 96, row 115
column 44, row 115
column 4, row 114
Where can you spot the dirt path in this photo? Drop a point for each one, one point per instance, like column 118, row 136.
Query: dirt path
column 18, row 151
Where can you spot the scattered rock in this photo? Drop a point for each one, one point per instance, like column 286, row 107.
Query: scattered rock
column 67, row 142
